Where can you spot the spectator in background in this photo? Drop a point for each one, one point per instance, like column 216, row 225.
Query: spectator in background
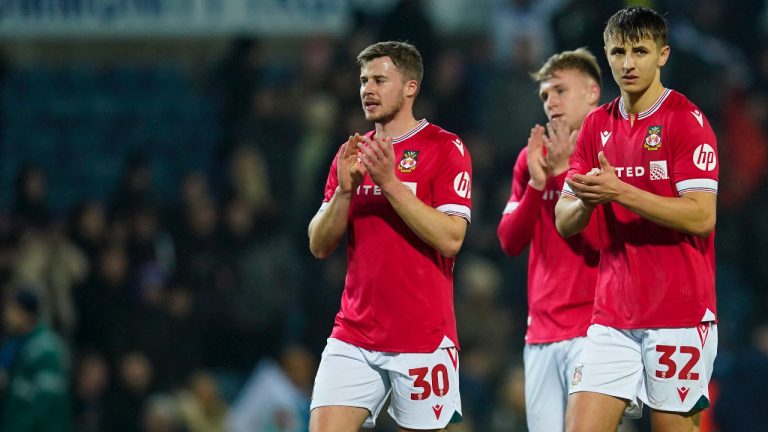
column 201, row 406
column 161, row 413
column 104, row 303
column 30, row 208
column 90, row 392
column 574, row 25
column 35, row 364
column 509, row 412
column 451, row 88
column 485, row 325
column 408, row 21
column 133, row 191
column 50, row 262
column 518, row 23
column 87, row 228
column 320, row 116
column 130, row 390
column 276, row 396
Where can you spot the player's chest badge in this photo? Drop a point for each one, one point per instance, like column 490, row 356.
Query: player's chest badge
column 653, row 138
column 408, row 161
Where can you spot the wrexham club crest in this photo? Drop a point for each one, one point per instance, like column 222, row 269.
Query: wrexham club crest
column 653, row 138
column 408, row 161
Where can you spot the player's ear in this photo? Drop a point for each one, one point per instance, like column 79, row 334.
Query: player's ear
column 411, row 88
column 663, row 55
column 593, row 93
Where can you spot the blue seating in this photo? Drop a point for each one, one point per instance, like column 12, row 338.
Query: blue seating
column 83, row 120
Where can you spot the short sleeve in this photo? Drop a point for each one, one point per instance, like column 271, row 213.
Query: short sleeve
column 452, row 188
column 695, row 165
column 332, row 182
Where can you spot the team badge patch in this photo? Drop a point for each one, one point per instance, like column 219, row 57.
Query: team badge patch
column 408, row 161
column 653, row 138
column 577, row 376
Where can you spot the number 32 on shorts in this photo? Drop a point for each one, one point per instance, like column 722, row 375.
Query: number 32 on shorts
column 671, row 367
column 434, row 381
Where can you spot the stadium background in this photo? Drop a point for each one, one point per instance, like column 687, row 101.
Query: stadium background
column 160, row 160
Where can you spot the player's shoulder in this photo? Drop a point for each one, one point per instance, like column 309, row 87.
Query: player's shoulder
column 604, row 111
column 444, row 140
column 683, row 109
column 438, row 134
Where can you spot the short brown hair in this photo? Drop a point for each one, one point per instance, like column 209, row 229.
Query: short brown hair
column 635, row 23
column 404, row 55
column 580, row 59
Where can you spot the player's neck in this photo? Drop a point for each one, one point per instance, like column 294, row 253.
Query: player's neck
column 635, row 103
column 402, row 123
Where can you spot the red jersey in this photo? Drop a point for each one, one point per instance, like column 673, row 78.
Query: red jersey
column 398, row 294
column 562, row 273
column 651, row 276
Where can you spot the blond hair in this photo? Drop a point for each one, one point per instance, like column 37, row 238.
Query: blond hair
column 580, row 59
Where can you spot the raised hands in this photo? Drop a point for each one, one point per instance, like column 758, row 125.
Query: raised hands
column 560, row 142
column 549, row 151
column 350, row 170
column 378, row 157
column 537, row 163
column 597, row 186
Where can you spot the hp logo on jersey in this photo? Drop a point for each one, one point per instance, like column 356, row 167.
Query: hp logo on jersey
column 704, row 157
column 462, row 184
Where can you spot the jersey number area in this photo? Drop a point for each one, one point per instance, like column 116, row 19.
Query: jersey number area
column 666, row 360
column 439, row 378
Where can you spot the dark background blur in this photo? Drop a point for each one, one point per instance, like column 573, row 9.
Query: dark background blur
column 160, row 161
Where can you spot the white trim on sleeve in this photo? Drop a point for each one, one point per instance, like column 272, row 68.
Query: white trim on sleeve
column 567, row 190
column 696, row 185
column 510, row 207
column 456, row 210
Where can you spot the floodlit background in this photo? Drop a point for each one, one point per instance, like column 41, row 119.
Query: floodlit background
column 160, row 161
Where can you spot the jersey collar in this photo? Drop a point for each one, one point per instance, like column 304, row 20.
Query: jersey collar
column 649, row 111
column 419, row 126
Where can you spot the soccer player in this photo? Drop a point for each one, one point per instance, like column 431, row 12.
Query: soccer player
column 401, row 193
column 645, row 166
column 561, row 272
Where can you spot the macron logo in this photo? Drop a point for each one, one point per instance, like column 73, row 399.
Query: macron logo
column 699, row 117
column 604, row 135
column 683, row 392
column 459, row 145
column 437, row 409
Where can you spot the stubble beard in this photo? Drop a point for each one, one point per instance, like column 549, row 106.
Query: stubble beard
column 389, row 115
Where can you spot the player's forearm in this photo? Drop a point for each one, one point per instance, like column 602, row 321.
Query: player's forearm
column 444, row 233
column 515, row 229
column 327, row 228
column 571, row 215
column 693, row 213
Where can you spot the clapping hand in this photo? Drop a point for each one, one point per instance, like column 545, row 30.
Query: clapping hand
column 350, row 170
column 598, row 186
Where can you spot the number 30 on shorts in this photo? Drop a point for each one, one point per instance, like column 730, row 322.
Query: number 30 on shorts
column 666, row 360
column 439, row 381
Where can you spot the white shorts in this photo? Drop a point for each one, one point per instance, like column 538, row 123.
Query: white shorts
column 424, row 386
column 548, row 371
column 668, row 369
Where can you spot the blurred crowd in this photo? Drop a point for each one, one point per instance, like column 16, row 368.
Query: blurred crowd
column 202, row 309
